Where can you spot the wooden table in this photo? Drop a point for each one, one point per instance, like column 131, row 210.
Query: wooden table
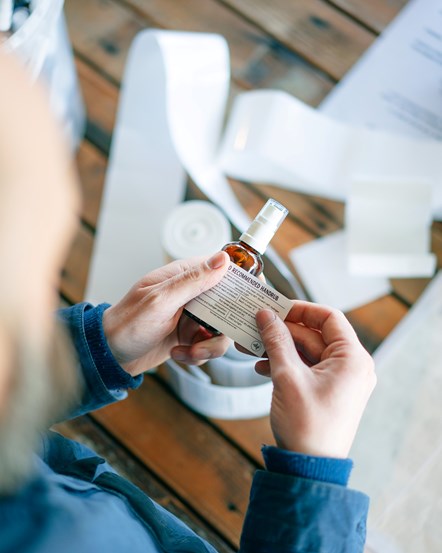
column 200, row 468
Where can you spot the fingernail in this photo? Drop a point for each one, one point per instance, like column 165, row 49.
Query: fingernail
column 179, row 356
column 264, row 318
column 202, row 354
column 216, row 261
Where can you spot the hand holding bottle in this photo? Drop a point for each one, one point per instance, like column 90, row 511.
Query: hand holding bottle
column 321, row 392
column 146, row 327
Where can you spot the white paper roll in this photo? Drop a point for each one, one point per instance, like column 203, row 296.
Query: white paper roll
column 195, row 228
column 229, row 372
column 218, row 401
column 234, row 354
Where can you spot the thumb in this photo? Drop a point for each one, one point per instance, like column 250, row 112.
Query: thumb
column 183, row 287
column 278, row 342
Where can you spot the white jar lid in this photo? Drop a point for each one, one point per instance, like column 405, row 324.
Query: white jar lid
column 195, row 228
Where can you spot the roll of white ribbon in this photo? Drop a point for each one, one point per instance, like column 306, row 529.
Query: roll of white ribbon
column 195, row 228
column 218, row 401
column 231, row 372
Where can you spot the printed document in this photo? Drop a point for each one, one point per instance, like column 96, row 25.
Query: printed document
column 397, row 84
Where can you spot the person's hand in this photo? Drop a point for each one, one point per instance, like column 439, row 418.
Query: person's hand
column 322, row 379
column 148, row 326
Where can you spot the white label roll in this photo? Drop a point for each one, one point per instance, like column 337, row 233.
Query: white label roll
column 220, row 402
column 194, row 228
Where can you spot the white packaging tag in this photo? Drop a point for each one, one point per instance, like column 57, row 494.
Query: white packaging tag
column 389, row 228
column 323, row 267
column 232, row 304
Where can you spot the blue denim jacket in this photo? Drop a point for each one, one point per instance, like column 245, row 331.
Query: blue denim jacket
column 75, row 502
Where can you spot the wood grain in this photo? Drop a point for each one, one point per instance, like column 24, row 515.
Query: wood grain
column 100, row 98
column 375, row 14
column 101, row 31
column 257, row 59
column 74, row 274
column 320, row 34
column 91, row 169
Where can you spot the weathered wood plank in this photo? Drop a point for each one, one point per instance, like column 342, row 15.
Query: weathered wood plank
column 102, row 31
column 409, row 289
column 312, row 28
column 258, row 60
column 183, row 450
column 376, row 320
column 91, row 169
column 249, row 434
column 101, row 100
column 74, row 274
column 86, row 431
column 375, row 14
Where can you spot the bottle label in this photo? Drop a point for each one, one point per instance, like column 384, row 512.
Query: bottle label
column 232, row 304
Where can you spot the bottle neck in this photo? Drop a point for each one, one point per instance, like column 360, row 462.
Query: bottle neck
column 249, row 247
column 258, row 236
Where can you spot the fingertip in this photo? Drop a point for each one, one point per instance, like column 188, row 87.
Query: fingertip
column 263, row 368
column 179, row 354
column 264, row 318
column 276, row 338
column 218, row 260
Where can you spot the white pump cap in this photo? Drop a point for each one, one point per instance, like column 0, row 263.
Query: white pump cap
column 264, row 226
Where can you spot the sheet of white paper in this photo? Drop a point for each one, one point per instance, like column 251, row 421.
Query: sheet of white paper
column 398, row 449
column 171, row 110
column 274, row 138
column 396, row 84
column 388, row 224
column 322, row 265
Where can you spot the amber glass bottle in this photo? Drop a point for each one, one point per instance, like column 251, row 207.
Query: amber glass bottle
column 247, row 251
column 245, row 257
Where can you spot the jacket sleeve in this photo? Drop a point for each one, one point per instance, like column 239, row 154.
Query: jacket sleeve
column 290, row 514
column 103, row 380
